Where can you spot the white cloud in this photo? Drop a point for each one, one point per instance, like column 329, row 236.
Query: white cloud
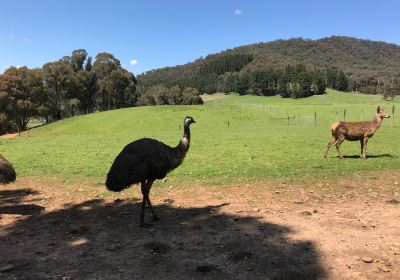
column 11, row 37
column 26, row 40
column 133, row 62
column 237, row 12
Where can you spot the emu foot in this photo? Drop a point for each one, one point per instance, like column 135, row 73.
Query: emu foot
column 341, row 157
column 143, row 224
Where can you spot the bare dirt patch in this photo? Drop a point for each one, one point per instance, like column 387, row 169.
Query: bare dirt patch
column 317, row 229
column 209, row 97
column 9, row 135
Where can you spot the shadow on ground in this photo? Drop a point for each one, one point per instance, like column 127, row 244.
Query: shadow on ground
column 11, row 202
column 99, row 240
column 370, row 156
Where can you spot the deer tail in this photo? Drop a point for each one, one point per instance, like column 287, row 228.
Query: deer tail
column 334, row 126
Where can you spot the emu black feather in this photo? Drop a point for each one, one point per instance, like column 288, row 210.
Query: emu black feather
column 146, row 160
column 7, row 172
column 143, row 159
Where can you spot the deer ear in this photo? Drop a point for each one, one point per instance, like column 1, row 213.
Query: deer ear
column 378, row 109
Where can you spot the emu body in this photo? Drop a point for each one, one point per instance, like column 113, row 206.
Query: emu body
column 7, row 172
column 355, row 131
column 144, row 161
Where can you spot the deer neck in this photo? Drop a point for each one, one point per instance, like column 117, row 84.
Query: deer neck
column 377, row 121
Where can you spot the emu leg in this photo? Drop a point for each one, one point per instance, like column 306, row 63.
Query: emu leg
column 155, row 217
column 145, row 187
column 333, row 140
column 338, row 143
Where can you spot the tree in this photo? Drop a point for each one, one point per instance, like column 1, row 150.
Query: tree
column 302, row 85
column 331, row 77
column 15, row 102
column 243, row 84
column 191, row 96
column 115, row 87
column 342, row 83
column 283, row 87
column 88, row 65
column 78, row 58
column 58, row 77
column 318, row 83
column 104, row 64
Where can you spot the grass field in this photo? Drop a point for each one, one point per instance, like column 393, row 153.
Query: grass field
column 257, row 145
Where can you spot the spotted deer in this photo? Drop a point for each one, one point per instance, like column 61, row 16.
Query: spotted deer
column 353, row 131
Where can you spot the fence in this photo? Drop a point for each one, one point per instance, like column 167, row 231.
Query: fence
column 296, row 119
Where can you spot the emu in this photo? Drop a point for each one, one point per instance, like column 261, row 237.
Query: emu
column 145, row 160
column 7, row 172
column 353, row 131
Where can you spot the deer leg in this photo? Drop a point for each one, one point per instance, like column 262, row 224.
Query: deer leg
column 365, row 147
column 362, row 148
column 145, row 187
column 331, row 142
column 338, row 143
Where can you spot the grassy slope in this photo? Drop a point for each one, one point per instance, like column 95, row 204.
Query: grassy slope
column 254, row 147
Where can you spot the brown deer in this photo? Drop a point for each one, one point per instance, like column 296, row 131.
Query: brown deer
column 353, row 131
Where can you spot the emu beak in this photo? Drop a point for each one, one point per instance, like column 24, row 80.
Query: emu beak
column 193, row 121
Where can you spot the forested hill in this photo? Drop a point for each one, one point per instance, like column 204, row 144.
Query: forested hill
column 370, row 66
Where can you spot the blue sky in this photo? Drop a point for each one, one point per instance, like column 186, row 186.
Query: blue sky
column 153, row 34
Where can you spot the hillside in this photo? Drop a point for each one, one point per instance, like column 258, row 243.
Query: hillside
column 365, row 62
column 257, row 144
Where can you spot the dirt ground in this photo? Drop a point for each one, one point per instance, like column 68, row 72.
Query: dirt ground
column 345, row 228
column 9, row 135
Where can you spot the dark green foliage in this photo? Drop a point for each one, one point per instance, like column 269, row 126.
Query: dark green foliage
column 229, row 63
column 243, row 85
column 342, row 83
column 318, row 84
column 16, row 99
column 366, row 65
column 64, row 88
column 162, row 95
column 204, row 76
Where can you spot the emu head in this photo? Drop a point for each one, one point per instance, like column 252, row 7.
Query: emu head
column 381, row 112
column 188, row 120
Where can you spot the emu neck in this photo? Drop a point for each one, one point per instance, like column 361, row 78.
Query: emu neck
column 185, row 140
column 377, row 121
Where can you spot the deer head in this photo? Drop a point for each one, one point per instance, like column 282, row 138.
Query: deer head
column 381, row 113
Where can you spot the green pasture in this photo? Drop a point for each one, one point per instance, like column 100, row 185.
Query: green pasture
column 258, row 144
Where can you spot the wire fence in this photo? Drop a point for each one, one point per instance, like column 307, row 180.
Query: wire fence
column 314, row 119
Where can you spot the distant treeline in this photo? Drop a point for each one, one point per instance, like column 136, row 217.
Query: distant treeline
column 224, row 74
column 71, row 86
column 162, row 95
column 370, row 67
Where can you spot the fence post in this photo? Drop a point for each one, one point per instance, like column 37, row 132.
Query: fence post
column 344, row 115
column 392, row 116
column 315, row 118
column 228, row 124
